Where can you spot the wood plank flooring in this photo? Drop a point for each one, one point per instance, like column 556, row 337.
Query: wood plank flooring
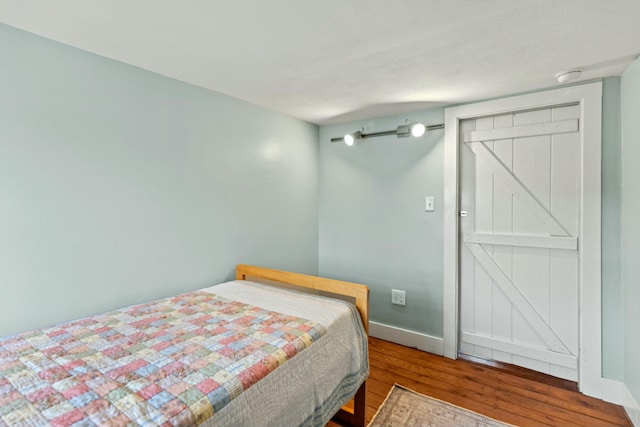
column 508, row 393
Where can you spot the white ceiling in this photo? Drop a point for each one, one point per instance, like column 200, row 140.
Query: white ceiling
column 333, row 61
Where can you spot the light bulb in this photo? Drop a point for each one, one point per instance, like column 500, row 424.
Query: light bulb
column 417, row 130
column 351, row 138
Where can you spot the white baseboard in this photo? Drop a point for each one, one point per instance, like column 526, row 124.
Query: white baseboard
column 407, row 338
column 617, row 392
column 634, row 416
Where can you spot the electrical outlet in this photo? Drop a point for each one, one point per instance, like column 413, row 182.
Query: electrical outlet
column 398, row 297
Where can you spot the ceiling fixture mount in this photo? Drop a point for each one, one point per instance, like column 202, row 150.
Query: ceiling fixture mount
column 566, row 76
column 414, row 129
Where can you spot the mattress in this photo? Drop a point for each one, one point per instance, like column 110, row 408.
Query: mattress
column 181, row 361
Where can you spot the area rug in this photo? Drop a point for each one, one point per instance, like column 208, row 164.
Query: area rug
column 405, row 407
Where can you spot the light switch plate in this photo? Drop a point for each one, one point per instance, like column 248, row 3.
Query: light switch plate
column 429, row 203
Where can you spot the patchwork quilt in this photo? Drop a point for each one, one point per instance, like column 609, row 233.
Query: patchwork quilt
column 171, row 362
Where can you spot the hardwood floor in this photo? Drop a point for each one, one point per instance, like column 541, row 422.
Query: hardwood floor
column 508, row 393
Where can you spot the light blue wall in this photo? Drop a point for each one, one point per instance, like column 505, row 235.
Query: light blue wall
column 630, row 89
column 612, row 337
column 119, row 186
column 373, row 225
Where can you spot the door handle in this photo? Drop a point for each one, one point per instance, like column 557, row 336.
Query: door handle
column 464, row 213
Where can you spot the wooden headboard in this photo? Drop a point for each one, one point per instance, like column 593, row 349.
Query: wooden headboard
column 360, row 293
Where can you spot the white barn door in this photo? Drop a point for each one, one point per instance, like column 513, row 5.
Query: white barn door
column 518, row 238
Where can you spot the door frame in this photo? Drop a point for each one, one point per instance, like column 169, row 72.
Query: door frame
column 589, row 97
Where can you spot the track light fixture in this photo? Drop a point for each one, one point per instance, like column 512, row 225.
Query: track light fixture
column 351, row 138
column 414, row 129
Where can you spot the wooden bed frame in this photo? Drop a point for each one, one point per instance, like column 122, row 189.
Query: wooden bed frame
column 354, row 412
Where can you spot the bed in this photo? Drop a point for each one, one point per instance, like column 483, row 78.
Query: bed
column 246, row 352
